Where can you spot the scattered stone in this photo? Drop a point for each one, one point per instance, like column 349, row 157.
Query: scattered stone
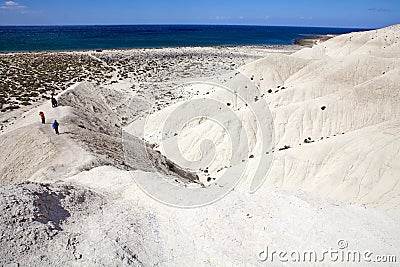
column 284, row 148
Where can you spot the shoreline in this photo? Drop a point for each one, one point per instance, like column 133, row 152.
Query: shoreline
column 109, row 37
column 277, row 46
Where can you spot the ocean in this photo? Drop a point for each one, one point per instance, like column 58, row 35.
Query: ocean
column 60, row 38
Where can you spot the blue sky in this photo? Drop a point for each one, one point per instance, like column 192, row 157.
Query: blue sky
column 339, row 13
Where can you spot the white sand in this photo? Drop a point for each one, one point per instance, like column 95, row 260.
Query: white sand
column 359, row 88
column 344, row 186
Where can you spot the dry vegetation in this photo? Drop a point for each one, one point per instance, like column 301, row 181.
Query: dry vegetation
column 31, row 77
column 166, row 65
column 26, row 78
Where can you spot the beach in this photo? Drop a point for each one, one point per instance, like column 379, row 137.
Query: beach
column 202, row 156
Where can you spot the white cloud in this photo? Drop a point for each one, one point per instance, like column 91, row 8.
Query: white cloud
column 229, row 18
column 375, row 9
column 222, row 17
column 12, row 5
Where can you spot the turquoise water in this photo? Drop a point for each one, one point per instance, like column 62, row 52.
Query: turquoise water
column 44, row 38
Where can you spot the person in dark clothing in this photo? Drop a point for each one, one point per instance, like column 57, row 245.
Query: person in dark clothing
column 55, row 126
column 54, row 103
column 41, row 114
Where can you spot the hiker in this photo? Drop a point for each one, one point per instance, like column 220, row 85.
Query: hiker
column 41, row 114
column 55, row 126
column 54, row 103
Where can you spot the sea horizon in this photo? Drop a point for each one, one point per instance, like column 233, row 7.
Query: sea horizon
column 41, row 38
column 182, row 24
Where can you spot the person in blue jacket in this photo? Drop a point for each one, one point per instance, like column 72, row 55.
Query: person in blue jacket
column 55, row 126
